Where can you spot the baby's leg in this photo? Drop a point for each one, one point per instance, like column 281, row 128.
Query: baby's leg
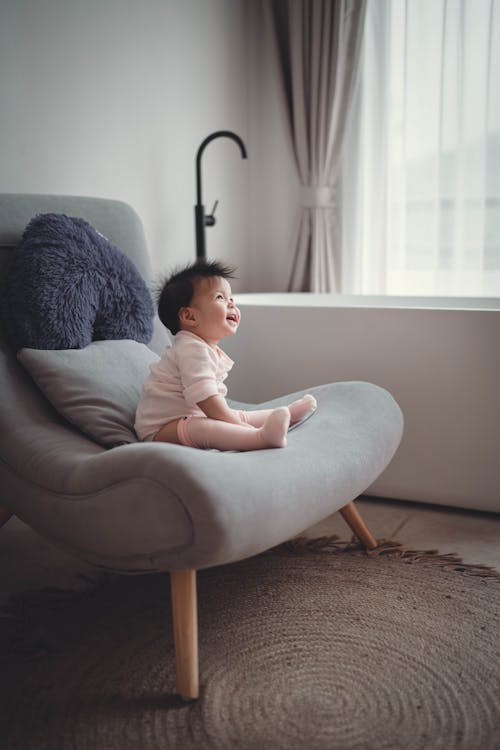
column 298, row 410
column 168, row 433
column 202, row 432
column 255, row 418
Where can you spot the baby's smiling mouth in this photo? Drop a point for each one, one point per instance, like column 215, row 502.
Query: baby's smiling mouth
column 232, row 317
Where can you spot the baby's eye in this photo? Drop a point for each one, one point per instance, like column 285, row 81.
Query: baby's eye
column 220, row 296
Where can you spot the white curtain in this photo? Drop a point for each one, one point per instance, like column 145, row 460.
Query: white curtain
column 317, row 44
column 421, row 164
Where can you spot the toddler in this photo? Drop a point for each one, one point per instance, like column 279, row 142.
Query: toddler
column 183, row 399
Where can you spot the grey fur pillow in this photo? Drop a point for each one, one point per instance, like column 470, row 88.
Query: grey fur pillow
column 67, row 285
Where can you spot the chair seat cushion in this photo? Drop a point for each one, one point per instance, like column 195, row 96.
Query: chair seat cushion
column 67, row 285
column 158, row 506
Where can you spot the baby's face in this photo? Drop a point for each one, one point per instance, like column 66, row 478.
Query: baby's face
column 212, row 312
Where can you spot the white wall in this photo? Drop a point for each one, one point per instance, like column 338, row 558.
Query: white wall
column 112, row 98
column 441, row 365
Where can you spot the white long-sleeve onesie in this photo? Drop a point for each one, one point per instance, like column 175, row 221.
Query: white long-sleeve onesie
column 189, row 372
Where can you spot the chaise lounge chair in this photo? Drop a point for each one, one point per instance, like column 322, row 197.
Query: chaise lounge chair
column 144, row 507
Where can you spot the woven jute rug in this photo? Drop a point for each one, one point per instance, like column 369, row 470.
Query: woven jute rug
column 313, row 645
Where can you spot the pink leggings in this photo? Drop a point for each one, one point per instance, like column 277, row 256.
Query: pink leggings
column 255, row 418
column 263, row 429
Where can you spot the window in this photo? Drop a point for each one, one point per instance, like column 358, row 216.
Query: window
column 421, row 168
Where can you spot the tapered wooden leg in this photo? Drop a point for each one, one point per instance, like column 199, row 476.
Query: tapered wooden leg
column 185, row 622
column 5, row 514
column 353, row 519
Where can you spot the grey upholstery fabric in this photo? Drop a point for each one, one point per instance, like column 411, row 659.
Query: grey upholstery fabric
column 96, row 388
column 152, row 506
column 113, row 219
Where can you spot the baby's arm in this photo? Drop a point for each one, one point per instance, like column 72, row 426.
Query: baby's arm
column 216, row 407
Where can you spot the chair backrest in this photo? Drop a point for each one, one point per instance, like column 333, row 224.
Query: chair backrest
column 24, row 411
column 114, row 219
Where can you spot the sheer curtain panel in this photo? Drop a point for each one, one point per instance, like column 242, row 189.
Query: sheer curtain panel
column 421, row 165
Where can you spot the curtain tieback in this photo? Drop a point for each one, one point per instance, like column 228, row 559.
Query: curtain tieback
column 312, row 196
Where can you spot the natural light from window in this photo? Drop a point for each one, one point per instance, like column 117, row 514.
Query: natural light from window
column 421, row 172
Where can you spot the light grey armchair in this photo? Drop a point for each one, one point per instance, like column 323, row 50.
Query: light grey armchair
column 144, row 507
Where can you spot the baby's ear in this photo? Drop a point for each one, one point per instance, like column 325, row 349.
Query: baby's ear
column 187, row 316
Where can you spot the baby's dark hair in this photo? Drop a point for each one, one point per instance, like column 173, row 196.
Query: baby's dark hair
column 178, row 289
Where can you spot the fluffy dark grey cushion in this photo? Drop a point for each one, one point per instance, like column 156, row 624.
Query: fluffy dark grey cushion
column 68, row 285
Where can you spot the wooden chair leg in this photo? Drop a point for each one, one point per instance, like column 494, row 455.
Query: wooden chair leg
column 5, row 514
column 353, row 519
column 185, row 623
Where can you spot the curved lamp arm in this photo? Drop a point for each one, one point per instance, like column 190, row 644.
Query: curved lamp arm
column 201, row 221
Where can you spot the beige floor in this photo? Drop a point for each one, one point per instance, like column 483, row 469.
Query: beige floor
column 473, row 536
column 27, row 561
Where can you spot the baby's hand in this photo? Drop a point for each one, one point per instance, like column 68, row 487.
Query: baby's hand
column 216, row 407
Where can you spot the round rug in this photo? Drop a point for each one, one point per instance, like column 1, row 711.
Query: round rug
column 313, row 645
